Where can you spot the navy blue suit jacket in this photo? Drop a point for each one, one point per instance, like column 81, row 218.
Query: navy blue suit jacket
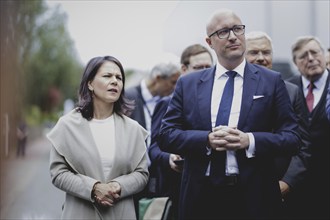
column 167, row 181
column 327, row 107
column 135, row 93
column 293, row 170
column 155, row 153
column 187, row 123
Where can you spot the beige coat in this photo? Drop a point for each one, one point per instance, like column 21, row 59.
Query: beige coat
column 75, row 166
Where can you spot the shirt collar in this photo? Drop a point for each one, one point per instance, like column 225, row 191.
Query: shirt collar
column 146, row 95
column 318, row 83
column 220, row 70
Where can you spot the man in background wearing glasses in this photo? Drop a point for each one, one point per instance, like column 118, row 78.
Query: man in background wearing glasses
column 308, row 55
column 291, row 171
column 229, row 122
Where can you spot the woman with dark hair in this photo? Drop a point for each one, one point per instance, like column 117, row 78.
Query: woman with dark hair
column 98, row 156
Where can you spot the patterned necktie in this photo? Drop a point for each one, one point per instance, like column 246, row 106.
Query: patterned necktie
column 310, row 97
column 218, row 159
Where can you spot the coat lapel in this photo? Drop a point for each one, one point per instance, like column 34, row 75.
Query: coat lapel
column 130, row 146
column 204, row 90
column 318, row 111
column 250, row 84
column 73, row 139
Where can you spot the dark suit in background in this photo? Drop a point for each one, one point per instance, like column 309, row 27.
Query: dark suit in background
column 166, row 181
column 160, row 82
column 316, row 188
column 134, row 93
column 328, row 104
column 309, row 58
column 165, row 167
column 293, row 170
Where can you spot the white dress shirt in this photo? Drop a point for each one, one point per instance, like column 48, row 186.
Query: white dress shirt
column 149, row 107
column 220, row 79
column 318, row 89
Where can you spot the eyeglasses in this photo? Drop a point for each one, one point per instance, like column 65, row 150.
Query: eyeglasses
column 255, row 53
column 199, row 67
column 224, row 33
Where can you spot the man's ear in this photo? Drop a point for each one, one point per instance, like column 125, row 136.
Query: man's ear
column 208, row 41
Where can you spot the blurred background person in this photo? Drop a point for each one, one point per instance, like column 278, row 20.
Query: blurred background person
column 309, row 56
column 327, row 108
column 195, row 57
column 291, row 170
column 98, row 155
column 167, row 167
column 159, row 83
column 21, row 138
column 327, row 58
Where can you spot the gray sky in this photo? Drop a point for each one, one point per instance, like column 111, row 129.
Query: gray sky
column 142, row 33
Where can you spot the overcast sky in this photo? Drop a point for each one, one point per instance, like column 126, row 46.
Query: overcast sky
column 128, row 30
column 142, row 33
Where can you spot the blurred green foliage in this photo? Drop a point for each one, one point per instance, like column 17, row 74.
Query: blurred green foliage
column 48, row 65
column 42, row 68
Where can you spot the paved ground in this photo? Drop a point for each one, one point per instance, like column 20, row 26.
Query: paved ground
column 26, row 188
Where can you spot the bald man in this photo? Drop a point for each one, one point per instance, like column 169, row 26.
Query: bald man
column 229, row 122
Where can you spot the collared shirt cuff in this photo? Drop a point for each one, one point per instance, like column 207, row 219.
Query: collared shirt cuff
column 250, row 152
column 208, row 150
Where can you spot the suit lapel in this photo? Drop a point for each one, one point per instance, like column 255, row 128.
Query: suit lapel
column 318, row 111
column 204, row 90
column 297, row 81
column 140, row 102
column 250, row 84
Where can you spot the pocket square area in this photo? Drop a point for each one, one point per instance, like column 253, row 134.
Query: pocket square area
column 258, row 96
